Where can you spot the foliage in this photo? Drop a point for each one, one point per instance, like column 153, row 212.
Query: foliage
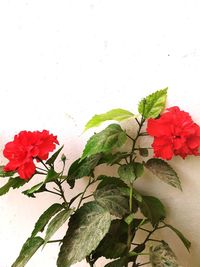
column 105, row 221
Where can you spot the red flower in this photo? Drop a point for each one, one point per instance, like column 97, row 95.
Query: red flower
column 24, row 148
column 174, row 133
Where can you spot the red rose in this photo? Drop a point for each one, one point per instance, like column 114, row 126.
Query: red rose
column 24, row 148
column 174, row 133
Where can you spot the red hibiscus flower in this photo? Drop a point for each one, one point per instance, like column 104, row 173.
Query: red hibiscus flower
column 174, row 133
column 25, row 147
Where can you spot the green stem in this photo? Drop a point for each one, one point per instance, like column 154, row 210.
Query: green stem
column 62, row 192
column 136, row 138
column 82, row 195
column 144, row 263
column 155, row 240
column 52, row 192
column 41, row 161
column 129, row 239
column 55, row 241
column 88, row 196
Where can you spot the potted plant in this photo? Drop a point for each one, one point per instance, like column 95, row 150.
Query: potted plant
column 107, row 221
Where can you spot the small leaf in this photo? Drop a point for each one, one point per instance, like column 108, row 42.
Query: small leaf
column 115, row 114
column 111, row 198
column 28, row 250
column 112, row 159
column 153, row 209
column 143, row 152
column 45, row 217
column 131, row 171
column 153, row 105
column 12, row 183
column 83, row 168
column 52, row 175
column 4, row 173
column 87, row 227
column 164, row 172
column 52, row 159
column 117, row 263
column 163, row 256
column 129, row 218
column 56, row 223
column 185, row 241
column 112, row 137
column 38, row 188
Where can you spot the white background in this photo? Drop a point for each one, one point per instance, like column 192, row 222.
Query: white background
column 62, row 61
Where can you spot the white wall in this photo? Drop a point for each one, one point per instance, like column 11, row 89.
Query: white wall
column 62, row 61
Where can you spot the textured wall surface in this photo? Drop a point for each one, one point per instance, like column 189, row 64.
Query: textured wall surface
column 61, row 61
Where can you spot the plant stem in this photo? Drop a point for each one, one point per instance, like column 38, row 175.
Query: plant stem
column 55, row 241
column 144, row 263
column 155, row 240
column 53, row 192
column 62, row 192
column 44, row 170
column 41, row 161
column 137, row 136
column 74, row 198
column 83, row 193
column 88, row 196
column 144, row 229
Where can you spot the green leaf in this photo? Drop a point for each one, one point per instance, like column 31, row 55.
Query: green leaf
column 185, row 241
column 129, row 218
column 28, row 250
column 111, row 198
column 164, row 172
column 131, row 171
column 111, row 137
column 112, row 159
column 12, row 183
column 106, row 180
column 114, row 114
column 38, row 188
column 45, row 217
column 153, row 105
column 52, row 175
column 143, row 152
column 114, row 244
column 52, row 159
column 87, row 227
column 163, row 256
column 152, row 208
column 117, row 263
column 56, row 223
column 4, row 173
column 83, row 168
